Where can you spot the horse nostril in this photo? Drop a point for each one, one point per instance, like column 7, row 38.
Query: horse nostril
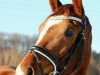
column 29, row 71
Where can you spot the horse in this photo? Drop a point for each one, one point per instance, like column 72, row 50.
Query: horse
column 64, row 43
column 7, row 70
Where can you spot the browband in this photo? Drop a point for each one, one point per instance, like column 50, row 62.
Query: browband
column 65, row 18
column 83, row 22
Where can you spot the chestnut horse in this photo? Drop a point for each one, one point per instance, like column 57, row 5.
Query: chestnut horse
column 7, row 70
column 64, row 44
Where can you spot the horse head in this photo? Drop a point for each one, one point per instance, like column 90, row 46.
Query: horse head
column 61, row 38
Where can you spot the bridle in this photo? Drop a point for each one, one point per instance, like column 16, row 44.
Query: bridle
column 57, row 70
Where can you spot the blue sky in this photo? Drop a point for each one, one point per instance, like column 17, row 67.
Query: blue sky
column 24, row 16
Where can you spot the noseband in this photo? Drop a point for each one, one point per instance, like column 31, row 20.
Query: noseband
column 57, row 70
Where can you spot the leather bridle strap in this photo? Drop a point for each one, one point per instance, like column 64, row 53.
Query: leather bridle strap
column 45, row 53
column 72, row 52
column 53, row 60
column 58, row 70
column 39, row 63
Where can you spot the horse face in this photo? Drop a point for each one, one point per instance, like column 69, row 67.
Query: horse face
column 57, row 34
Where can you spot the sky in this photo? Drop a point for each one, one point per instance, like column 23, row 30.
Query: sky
column 25, row 16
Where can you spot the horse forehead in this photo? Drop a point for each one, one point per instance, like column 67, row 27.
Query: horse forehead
column 51, row 21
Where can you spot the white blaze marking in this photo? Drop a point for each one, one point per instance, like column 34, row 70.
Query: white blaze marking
column 50, row 22
column 19, row 71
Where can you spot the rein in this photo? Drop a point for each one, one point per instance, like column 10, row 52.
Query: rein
column 57, row 70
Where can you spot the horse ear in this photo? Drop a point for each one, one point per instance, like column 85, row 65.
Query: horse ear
column 55, row 4
column 78, row 7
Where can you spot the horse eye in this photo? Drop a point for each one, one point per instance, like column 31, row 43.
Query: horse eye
column 69, row 33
